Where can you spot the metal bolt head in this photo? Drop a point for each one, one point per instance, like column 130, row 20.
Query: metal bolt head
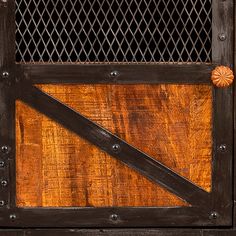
column 222, row 147
column 114, row 73
column 12, row 217
column 214, row 215
column 116, row 147
column 5, row 149
column 2, row 163
column 222, row 37
column 4, row 183
column 5, row 74
column 2, row 203
column 114, row 217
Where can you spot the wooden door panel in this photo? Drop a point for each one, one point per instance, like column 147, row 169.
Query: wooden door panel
column 171, row 123
column 61, row 169
column 164, row 121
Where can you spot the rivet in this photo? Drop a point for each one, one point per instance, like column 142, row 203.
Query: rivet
column 222, row 147
column 2, row 203
column 214, row 215
column 5, row 74
column 2, row 163
column 114, row 217
column 5, row 149
column 114, row 73
column 4, row 183
column 222, row 37
column 116, row 147
column 12, row 217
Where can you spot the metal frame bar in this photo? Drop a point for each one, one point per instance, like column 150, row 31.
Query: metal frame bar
column 217, row 211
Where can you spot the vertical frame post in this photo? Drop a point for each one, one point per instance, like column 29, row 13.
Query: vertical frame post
column 7, row 104
column 222, row 54
column 234, row 160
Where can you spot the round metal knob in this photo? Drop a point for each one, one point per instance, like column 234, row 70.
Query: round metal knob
column 222, row 76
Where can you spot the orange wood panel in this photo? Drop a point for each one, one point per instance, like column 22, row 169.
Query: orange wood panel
column 172, row 123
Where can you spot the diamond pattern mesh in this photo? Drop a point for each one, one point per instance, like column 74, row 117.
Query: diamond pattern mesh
column 113, row 30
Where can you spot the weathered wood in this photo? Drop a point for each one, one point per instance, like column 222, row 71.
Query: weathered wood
column 85, row 217
column 234, row 159
column 7, row 35
column 118, row 232
column 6, row 232
column 222, row 53
column 164, row 121
column 222, row 25
column 152, row 73
column 104, row 232
column 61, row 169
column 222, row 174
column 7, row 103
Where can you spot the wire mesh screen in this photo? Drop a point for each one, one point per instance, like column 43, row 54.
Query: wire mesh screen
column 113, row 30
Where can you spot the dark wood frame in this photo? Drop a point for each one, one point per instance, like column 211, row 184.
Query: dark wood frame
column 217, row 211
column 119, row 232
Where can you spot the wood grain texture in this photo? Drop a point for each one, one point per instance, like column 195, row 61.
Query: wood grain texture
column 129, row 73
column 118, row 232
column 171, row 123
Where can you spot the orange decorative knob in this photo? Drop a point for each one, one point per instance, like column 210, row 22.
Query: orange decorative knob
column 222, row 76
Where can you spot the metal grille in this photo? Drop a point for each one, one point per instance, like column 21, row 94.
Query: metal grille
column 113, row 30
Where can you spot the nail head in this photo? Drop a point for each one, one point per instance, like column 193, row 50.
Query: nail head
column 2, row 163
column 214, row 215
column 5, row 74
column 12, row 217
column 116, row 147
column 5, row 149
column 222, row 37
column 222, row 147
column 114, row 217
column 4, row 183
column 114, row 73
column 2, row 203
